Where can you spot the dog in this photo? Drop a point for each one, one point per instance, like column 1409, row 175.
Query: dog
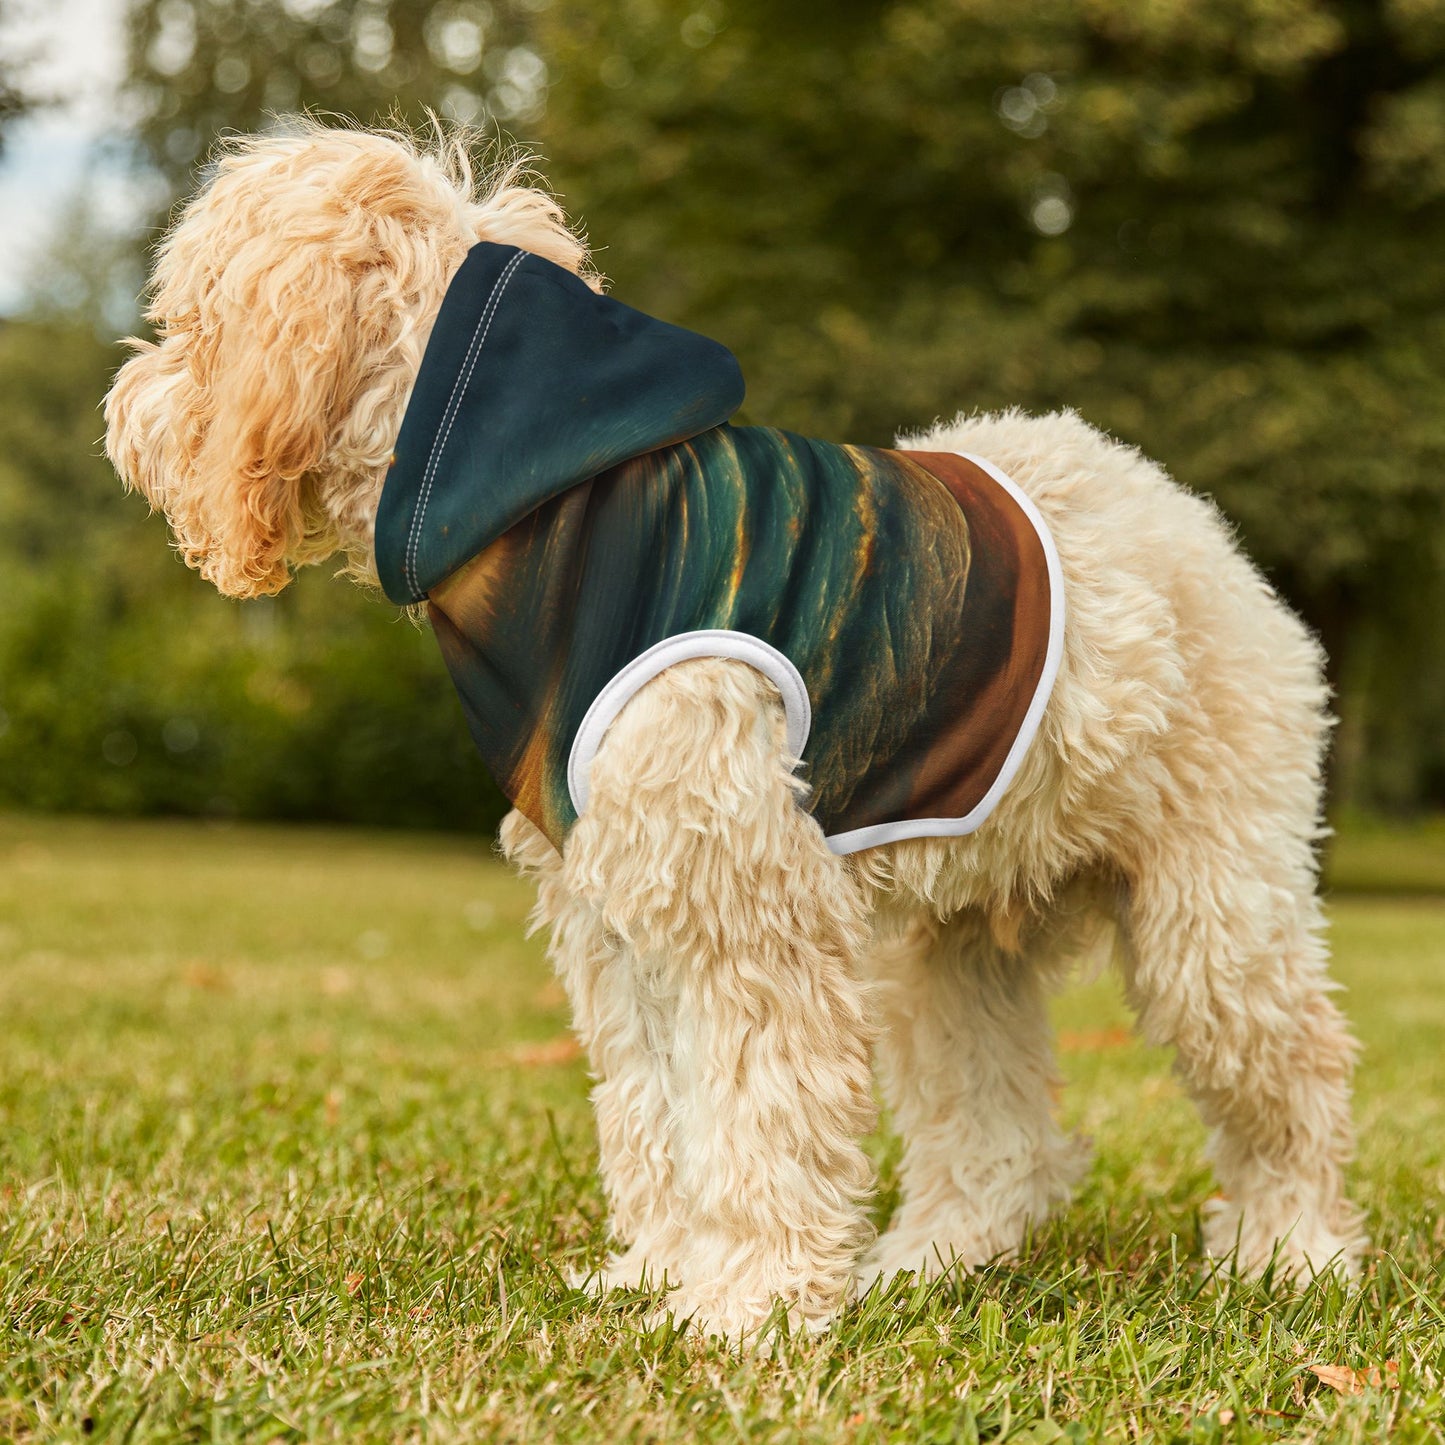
column 732, row 976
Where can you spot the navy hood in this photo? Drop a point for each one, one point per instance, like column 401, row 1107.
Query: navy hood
column 531, row 383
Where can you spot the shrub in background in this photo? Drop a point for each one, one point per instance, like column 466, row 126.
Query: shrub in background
column 230, row 709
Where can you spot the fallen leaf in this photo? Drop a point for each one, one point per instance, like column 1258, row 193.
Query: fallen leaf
column 202, row 975
column 551, row 995
column 1099, row 1040
column 554, row 1051
column 1347, row 1381
column 354, row 1283
column 31, row 856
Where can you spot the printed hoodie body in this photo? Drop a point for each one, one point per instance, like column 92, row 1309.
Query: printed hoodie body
column 569, row 499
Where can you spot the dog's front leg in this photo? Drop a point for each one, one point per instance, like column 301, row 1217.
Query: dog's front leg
column 736, row 932
column 623, row 1021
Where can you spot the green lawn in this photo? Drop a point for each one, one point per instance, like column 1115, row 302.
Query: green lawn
column 292, row 1147
column 1372, row 856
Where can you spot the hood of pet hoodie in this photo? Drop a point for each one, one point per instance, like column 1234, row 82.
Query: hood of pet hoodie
column 567, row 497
column 531, row 382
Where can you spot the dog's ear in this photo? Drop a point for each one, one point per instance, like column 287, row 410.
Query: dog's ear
column 140, row 440
column 292, row 301
column 276, row 351
column 221, row 423
column 281, row 282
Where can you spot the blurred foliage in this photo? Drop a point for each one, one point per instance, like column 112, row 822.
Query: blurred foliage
column 201, row 67
column 1173, row 217
column 15, row 100
column 128, row 686
column 1216, row 229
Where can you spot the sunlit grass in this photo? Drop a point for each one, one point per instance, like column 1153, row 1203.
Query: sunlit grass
column 1374, row 856
column 285, row 1153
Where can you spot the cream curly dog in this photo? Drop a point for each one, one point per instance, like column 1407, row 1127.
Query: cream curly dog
column 731, row 976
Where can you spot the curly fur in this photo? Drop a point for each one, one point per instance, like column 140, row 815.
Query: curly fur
column 292, row 301
column 729, row 976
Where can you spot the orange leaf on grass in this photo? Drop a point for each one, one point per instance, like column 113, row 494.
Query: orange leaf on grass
column 1347, row 1381
column 197, row 974
column 1097, row 1041
column 560, row 1050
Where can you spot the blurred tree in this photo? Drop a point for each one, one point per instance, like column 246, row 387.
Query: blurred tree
column 15, row 98
column 58, row 496
column 1216, row 227
column 127, row 685
column 201, row 67
column 1218, row 230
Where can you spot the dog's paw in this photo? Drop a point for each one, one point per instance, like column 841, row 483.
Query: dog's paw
column 896, row 1254
column 753, row 1324
column 956, row 1243
column 633, row 1270
column 1298, row 1245
column 967, row 1227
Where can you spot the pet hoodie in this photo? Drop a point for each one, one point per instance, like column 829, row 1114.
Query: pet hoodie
column 570, row 501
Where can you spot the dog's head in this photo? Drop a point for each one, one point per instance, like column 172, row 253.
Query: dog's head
column 292, row 300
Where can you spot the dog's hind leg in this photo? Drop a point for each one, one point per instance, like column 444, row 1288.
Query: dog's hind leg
column 966, row 1060
column 1226, row 962
column 740, row 932
column 1225, row 955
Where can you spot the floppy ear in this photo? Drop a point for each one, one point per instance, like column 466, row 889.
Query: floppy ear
column 140, row 439
column 220, row 423
column 293, row 299
column 272, row 354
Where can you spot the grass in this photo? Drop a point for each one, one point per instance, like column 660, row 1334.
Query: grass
column 292, row 1147
column 1398, row 858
